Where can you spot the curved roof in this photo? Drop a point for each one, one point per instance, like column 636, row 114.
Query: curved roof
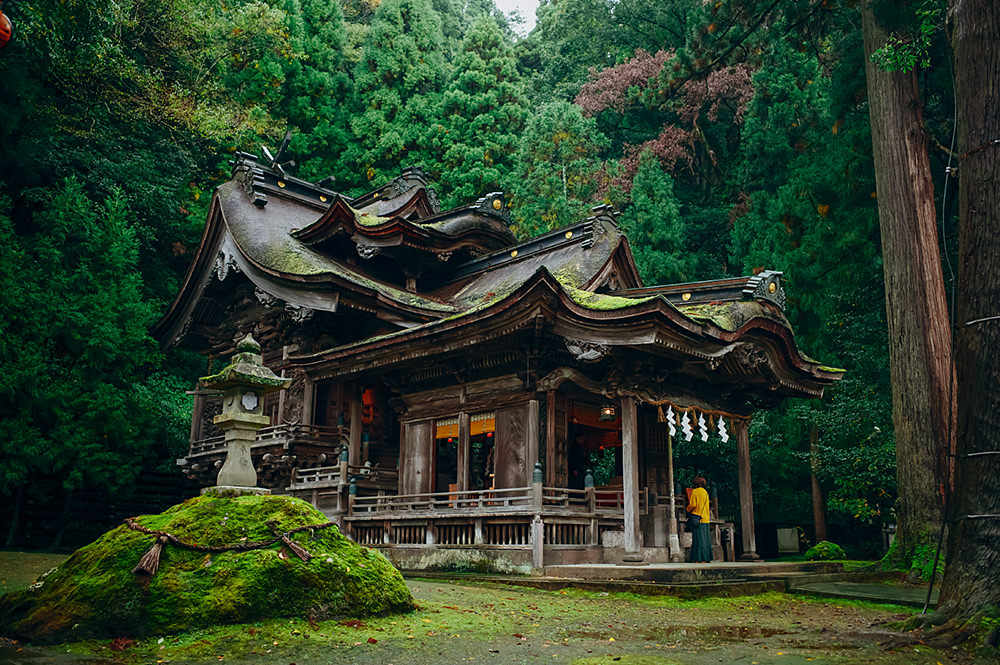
column 318, row 250
column 750, row 340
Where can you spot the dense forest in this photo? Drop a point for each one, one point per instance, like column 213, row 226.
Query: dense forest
column 733, row 136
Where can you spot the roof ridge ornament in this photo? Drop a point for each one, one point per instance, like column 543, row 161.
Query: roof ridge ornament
column 494, row 203
column 409, row 177
column 247, row 172
column 594, row 225
column 766, row 285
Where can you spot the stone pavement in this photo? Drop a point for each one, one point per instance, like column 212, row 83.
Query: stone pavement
column 878, row 593
column 688, row 580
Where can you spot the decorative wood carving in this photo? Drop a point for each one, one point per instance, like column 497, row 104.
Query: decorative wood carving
column 264, row 298
column 751, row 358
column 587, row 352
column 298, row 313
column 225, row 262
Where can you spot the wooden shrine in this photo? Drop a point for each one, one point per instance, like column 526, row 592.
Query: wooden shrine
column 449, row 384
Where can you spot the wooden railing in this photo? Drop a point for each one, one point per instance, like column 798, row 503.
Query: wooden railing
column 516, row 499
column 321, row 476
column 514, row 531
column 566, row 498
column 276, row 434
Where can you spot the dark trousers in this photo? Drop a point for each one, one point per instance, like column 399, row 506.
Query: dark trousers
column 701, row 547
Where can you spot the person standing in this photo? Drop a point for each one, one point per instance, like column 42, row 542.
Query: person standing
column 699, row 517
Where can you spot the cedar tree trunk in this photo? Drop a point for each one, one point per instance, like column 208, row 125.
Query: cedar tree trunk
column 972, row 576
column 916, row 309
column 819, row 503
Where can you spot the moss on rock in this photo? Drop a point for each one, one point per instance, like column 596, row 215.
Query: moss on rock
column 96, row 594
column 824, row 551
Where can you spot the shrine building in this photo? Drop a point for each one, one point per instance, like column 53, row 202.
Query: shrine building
column 450, row 385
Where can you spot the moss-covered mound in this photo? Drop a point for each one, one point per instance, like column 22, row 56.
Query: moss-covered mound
column 96, row 594
column 824, row 550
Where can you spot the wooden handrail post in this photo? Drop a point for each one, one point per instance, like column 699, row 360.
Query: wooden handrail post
column 536, row 486
column 538, row 544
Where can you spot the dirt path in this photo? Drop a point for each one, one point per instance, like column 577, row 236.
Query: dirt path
column 472, row 623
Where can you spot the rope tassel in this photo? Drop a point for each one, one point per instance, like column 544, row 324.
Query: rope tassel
column 299, row 551
column 150, row 561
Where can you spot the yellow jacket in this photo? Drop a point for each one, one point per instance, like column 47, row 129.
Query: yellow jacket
column 698, row 504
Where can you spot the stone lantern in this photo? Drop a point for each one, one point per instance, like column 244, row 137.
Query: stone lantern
column 243, row 383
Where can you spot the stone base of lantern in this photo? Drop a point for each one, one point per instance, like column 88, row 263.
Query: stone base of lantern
column 229, row 491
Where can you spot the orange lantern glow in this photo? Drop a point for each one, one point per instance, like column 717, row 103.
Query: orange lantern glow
column 367, row 406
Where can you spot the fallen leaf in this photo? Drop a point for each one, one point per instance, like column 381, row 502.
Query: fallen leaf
column 372, row 640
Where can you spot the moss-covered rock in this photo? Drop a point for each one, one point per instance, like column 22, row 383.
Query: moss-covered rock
column 824, row 550
column 96, row 594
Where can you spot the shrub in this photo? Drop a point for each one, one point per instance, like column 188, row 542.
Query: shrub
column 824, row 551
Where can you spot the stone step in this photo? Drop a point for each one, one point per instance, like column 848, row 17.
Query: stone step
column 687, row 573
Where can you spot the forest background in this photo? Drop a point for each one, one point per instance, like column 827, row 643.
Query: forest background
column 733, row 136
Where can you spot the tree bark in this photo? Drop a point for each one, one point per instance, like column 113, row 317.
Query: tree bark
column 819, row 504
column 972, row 576
column 916, row 309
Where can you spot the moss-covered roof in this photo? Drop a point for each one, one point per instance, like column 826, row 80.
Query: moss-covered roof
column 730, row 316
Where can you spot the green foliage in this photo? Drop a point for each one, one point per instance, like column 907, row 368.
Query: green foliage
column 909, row 50
column 483, row 114
column 398, row 81
column 80, row 371
column 569, row 38
column 317, row 93
column 824, row 551
column 96, row 594
column 558, row 174
column 919, row 560
column 654, row 225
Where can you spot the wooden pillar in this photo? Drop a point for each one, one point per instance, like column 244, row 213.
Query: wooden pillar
column 197, row 417
column 355, row 435
column 550, row 438
column 308, row 400
column 464, row 429
column 742, row 428
column 531, row 434
column 676, row 555
column 630, row 479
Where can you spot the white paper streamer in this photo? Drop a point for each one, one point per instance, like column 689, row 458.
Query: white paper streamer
column 686, row 427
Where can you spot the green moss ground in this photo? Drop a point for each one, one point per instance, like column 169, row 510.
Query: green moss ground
column 470, row 623
column 95, row 594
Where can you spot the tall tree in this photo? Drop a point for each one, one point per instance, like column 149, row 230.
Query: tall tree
column 654, row 225
column 558, row 173
column 483, row 112
column 917, row 313
column 82, row 401
column 317, row 93
column 570, row 37
column 972, row 579
column 398, row 82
